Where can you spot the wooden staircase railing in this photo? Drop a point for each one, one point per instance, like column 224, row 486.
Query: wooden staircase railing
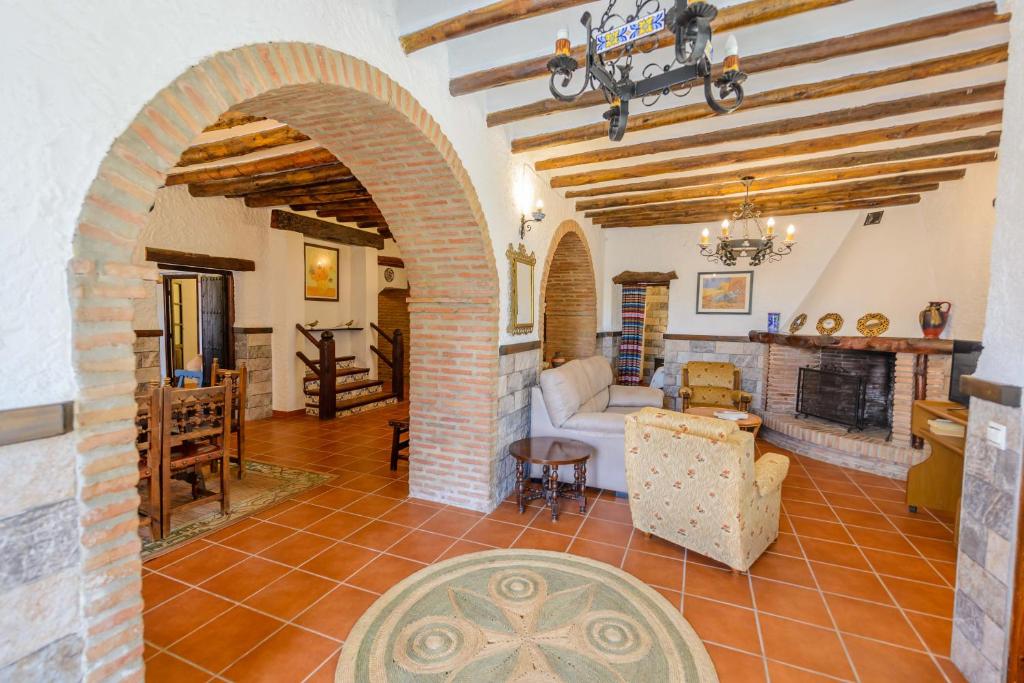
column 397, row 360
column 325, row 369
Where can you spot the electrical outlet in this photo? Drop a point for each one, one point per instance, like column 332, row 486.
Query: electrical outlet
column 996, row 435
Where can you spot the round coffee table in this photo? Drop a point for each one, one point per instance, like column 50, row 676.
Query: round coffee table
column 751, row 423
column 551, row 453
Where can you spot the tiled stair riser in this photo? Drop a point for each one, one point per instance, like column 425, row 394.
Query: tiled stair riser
column 312, row 410
column 345, row 395
column 314, row 384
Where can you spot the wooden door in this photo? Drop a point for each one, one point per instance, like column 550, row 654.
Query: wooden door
column 214, row 322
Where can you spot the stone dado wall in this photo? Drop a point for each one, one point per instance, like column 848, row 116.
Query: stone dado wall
column 147, row 359
column 988, row 530
column 517, row 374
column 254, row 350
column 655, row 324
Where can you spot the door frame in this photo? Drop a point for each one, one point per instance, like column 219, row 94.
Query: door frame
column 229, row 361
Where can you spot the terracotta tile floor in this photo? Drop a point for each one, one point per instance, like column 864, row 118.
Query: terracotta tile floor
column 856, row 588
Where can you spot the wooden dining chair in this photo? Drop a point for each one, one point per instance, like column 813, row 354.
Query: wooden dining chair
column 195, row 427
column 239, row 380
column 147, row 442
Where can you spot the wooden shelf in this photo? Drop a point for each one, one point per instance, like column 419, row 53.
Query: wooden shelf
column 331, row 329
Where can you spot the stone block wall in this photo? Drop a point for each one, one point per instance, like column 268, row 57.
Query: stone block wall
column 749, row 357
column 988, row 531
column 608, row 346
column 655, row 324
column 147, row 358
column 517, row 374
column 253, row 348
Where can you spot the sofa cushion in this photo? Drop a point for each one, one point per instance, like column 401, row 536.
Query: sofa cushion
column 597, row 403
column 605, row 423
column 636, row 397
column 563, row 391
column 599, row 374
column 621, row 410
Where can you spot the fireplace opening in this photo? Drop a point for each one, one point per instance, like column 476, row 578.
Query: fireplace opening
column 851, row 388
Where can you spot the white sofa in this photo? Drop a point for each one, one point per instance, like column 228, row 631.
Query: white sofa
column 578, row 401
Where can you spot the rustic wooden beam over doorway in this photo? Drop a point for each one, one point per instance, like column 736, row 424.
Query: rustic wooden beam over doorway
column 183, row 258
column 630, row 277
column 323, row 230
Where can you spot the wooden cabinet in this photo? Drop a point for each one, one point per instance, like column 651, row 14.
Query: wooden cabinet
column 937, row 482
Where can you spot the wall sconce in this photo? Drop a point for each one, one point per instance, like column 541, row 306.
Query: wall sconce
column 524, row 197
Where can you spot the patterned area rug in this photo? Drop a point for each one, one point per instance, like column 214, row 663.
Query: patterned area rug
column 264, row 485
column 523, row 615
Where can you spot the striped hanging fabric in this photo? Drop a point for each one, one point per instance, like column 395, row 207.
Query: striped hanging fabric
column 631, row 348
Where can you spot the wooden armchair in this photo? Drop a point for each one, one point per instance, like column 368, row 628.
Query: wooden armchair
column 147, row 442
column 239, row 380
column 195, row 427
column 713, row 385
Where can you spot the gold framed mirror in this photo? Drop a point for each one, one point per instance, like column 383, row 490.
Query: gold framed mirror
column 521, row 293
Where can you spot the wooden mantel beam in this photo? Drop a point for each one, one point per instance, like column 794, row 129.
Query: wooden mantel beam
column 973, row 143
column 489, row 16
column 732, row 17
column 889, row 344
column 734, row 186
column 844, row 85
column 988, row 92
column 243, row 144
column 935, row 26
column 949, row 124
column 322, row 230
column 632, row 277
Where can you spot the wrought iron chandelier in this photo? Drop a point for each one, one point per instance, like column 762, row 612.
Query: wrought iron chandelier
column 759, row 247
column 609, row 60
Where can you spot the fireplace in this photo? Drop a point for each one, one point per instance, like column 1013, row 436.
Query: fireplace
column 851, row 388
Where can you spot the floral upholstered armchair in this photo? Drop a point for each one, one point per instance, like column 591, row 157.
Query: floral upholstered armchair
column 712, row 384
column 693, row 481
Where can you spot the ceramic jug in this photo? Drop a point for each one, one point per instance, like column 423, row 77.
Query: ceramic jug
column 933, row 319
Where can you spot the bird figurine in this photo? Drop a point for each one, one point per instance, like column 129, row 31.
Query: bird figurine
column 349, row 323
column 313, row 324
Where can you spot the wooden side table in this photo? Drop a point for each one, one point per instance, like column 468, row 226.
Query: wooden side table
column 551, row 453
column 751, row 423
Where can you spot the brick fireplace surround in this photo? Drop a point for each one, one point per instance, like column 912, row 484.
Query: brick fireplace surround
column 868, row 451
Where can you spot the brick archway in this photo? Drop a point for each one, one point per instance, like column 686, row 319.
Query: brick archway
column 569, row 295
column 403, row 158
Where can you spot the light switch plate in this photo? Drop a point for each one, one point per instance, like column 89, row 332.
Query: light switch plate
column 996, row 435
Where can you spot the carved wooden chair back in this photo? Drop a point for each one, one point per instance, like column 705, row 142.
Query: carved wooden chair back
column 239, row 380
column 147, row 442
column 195, row 429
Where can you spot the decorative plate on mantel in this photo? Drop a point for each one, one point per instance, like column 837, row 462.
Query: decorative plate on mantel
column 798, row 323
column 829, row 324
column 873, row 324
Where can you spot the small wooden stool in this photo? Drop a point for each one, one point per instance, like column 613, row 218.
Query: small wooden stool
column 399, row 428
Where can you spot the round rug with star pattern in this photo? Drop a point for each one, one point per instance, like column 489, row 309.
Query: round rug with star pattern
column 523, row 615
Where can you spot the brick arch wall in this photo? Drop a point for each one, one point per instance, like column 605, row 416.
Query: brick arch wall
column 400, row 154
column 569, row 295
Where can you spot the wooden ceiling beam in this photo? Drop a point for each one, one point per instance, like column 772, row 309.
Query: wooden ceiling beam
column 915, row 30
column 988, row 141
column 358, row 204
column 232, row 119
column 240, row 145
column 339, row 187
column 949, row 124
column 844, row 85
column 734, row 186
column 732, row 17
column 261, row 199
column 311, row 227
column 480, row 19
column 790, row 210
column 285, row 162
column 271, row 181
column 889, row 185
column 352, row 216
column 988, row 92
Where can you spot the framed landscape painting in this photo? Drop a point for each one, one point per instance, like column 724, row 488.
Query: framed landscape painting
column 321, row 269
column 725, row 293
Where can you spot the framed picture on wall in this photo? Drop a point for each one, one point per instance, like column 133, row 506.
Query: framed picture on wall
column 725, row 293
column 321, row 272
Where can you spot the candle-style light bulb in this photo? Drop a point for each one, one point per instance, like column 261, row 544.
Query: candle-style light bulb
column 791, row 233
column 771, row 227
column 705, row 236
column 562, row 45
column 732, row 54
column 725, row 228
column 540, row 204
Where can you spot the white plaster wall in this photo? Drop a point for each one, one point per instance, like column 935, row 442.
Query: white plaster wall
column 1002, row 360
column 78, row 73
column 937, row 250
